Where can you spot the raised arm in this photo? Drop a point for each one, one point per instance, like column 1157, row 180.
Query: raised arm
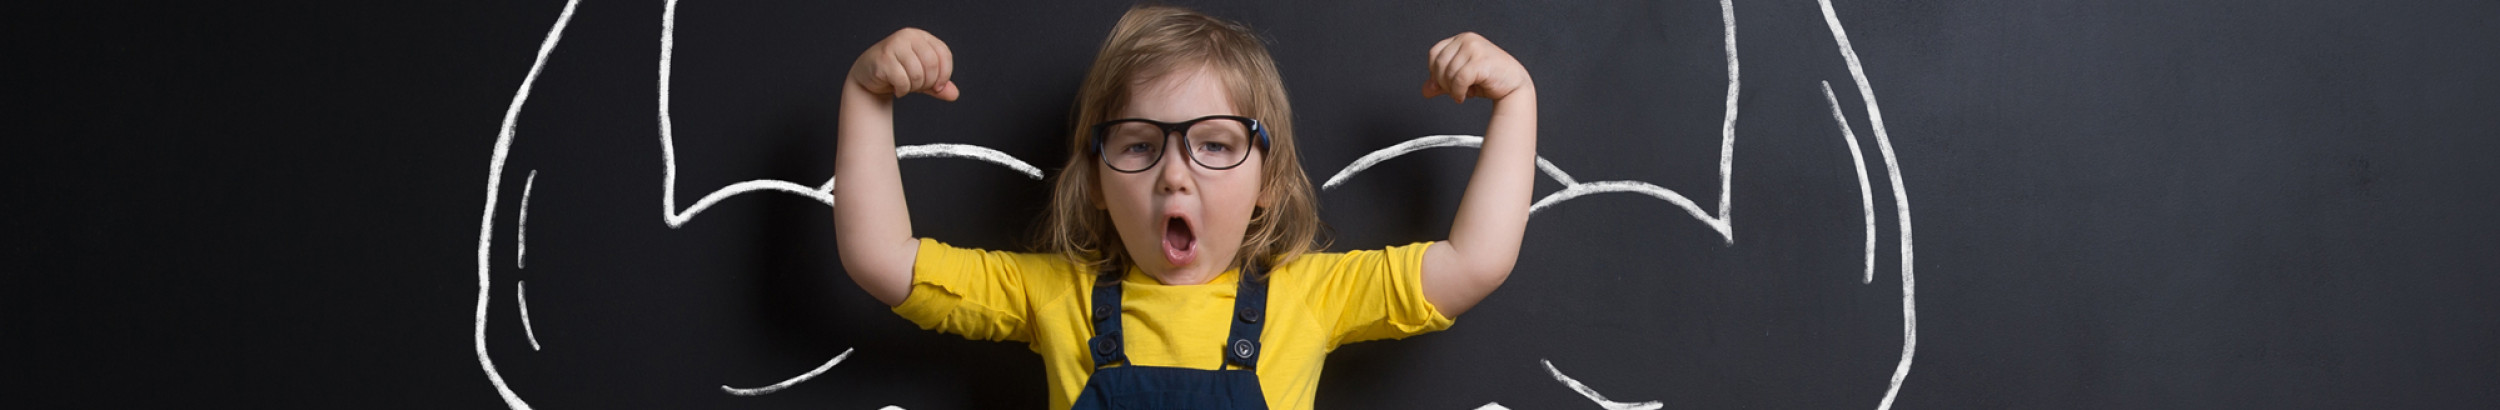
column 1493, row 213
column 871, row 225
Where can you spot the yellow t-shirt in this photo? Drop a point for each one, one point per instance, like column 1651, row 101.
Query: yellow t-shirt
column 1315, row 303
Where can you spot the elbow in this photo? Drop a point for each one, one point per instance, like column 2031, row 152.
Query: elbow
column 1489, row 271
column 1486, row 269
column 1495, row 273
column 879, row 258
column 885, row 275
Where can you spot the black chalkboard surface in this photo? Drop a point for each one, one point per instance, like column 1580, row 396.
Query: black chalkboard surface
column 1759, row 204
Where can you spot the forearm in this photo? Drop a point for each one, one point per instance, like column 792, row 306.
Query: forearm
column 872, row 224
column 1493, row 212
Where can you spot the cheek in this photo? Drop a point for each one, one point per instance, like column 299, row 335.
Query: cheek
column 1235, row 197
column 1123, row 194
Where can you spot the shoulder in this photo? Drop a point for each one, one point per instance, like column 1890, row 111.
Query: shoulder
column 1036, row 277
column 935, row 251
column 1032, row 269
column 1316, row 266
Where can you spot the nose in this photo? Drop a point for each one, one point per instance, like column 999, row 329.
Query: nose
column 1177, row 174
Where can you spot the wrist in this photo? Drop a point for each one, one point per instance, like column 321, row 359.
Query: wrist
column 851, row 88
column 858, row 100
column 1522, row 98
column 862, row 112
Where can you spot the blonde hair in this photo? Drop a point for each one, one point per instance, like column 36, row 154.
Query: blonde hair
column 1156, row 40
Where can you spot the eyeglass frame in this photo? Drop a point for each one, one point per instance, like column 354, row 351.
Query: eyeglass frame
column 1102, row 132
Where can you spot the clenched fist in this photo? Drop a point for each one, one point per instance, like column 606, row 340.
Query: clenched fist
column 1468, row 65
column 906, row 62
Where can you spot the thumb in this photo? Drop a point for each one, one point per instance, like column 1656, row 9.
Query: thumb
column 1432, row 89
column 946, row 91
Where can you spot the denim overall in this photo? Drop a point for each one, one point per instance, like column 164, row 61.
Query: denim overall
column 1153, row 387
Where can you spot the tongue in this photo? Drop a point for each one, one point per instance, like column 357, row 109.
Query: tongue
column 1179, row 245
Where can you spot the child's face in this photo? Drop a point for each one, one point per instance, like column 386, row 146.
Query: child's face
column 1181, row 222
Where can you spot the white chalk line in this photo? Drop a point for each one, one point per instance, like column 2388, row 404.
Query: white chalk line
column 521, row 229
column 1866, row 192
column 821, row 193
column 962, row 151
column 1901, row 203
column 784, row 384
column 494, row 183
column 1592, row 395
column 824, row 193
column 1727, row 128
column 520, row 290
column 1572, row 188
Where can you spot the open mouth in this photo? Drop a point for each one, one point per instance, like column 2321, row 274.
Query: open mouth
column 1180, row 242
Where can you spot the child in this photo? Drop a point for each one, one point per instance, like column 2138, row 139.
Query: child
column 1181, row 270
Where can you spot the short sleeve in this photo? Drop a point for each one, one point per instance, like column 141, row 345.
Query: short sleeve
column 1375, row 294
column 978, row 294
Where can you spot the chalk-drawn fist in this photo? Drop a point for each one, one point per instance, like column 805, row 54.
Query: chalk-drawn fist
column 906, row 62
column 1468, row 65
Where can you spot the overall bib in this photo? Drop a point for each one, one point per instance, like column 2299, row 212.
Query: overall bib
column 1152, row 387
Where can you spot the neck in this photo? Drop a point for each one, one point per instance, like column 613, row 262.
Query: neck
column 1183, row 277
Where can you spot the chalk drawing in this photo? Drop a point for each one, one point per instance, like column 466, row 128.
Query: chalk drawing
column 669, row 213
column 822, row 193
column 520, row 291
column 521, row 230
column 784, row 384
column 1727, row 127
column 1592, row 395
column 1900, row 200
column 1719, row 222
column 1572, row 188
column 1866, row 193
column 494, row 182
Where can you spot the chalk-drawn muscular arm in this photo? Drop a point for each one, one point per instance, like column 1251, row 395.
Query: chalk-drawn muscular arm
column 872, row 225
column 1493, row 213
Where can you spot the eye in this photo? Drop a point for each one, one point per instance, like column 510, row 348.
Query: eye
column 1137, row 148
column 1214, row 147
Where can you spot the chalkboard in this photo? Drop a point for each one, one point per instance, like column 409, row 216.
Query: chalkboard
column 1757, row 204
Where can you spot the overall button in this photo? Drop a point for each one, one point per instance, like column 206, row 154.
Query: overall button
column 1245, row 349
column 1108, row 344
column 1250, row 315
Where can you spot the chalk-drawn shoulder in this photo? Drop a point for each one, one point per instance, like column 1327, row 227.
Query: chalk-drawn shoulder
column 494, row 189
column 1901, row 204
column 1721, row 222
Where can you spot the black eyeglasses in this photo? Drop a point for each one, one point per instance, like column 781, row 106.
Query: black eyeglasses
column 1218, row 142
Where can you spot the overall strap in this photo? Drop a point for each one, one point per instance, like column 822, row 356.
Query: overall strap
column 1249, row 309
column 1107, row 344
